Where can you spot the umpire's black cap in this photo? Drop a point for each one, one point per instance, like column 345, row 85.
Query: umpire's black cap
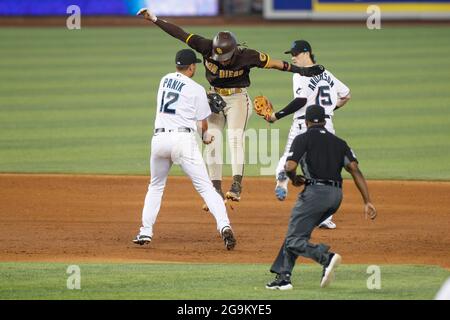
column 186, row 57
column 315, row 113
column 299, row 46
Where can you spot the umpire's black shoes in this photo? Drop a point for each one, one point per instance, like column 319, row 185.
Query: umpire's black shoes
column 282, row 282
column 141, row 239
column 328, row 270
column 228, row 238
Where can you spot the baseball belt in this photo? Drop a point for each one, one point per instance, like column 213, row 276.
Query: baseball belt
column 320, row 182
column 227, row 91
column 183, row 129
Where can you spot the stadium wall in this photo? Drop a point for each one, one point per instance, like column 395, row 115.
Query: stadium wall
column 356, row 9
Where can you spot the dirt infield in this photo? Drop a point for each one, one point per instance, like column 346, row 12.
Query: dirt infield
column 93, row 219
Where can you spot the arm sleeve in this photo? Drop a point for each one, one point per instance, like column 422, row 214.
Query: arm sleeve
column 298, row 148
column 203, row 109
column 199, row 44
column 255, row 58
column 196, row 42
column 172, row 29
column 292, row 107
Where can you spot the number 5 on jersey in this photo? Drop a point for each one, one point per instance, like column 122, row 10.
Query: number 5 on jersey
column 170, row 99
column 323, row 97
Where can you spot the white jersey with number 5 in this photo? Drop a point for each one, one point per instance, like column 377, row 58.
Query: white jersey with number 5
column 323, row 90
column 181, row 102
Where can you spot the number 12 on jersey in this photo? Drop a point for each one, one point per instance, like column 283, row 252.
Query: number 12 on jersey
column 169, row 99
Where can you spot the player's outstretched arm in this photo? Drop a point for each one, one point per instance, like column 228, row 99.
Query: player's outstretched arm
column 286, row 66
column 292, row 107
column 358, row 178
column 170, row 28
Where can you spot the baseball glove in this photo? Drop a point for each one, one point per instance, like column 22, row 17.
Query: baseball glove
column 263, row 106
column 216, row 102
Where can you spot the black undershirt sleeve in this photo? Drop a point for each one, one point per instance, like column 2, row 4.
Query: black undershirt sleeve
column 292, row 107
column 174, row 30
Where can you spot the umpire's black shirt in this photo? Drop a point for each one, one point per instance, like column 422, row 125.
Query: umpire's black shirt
column 321, row 154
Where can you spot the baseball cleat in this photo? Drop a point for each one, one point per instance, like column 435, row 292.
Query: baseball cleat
column 328, row 269
column 327, row 224
column 281, row 282
column 235, row 192
column 141, row 239
column 281, row 188
column 228, row 238
column 280, row 193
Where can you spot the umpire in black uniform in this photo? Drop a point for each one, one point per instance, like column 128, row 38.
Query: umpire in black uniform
column 322, row 156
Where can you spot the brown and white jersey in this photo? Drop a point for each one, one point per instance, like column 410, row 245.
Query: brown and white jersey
column 234, row 75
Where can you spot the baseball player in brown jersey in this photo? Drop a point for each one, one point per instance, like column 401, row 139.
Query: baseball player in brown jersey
column 227, row 67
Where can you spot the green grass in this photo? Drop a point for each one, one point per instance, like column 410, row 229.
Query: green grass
column 211, row 281
column 83, row 101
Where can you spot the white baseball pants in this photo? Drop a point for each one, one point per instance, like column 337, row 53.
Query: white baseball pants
column 235, row 116
column 179, row 148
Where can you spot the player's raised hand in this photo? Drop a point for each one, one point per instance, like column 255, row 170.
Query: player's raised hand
column 147, row 14
column 370, row 211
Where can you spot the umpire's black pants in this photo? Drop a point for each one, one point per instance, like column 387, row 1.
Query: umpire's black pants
column 314, row 205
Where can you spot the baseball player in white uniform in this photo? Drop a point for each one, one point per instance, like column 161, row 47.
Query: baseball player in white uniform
column 182, row 108
column 324, row 90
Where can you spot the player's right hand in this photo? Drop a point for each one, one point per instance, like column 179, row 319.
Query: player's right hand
column 207, row 138
column 370, row 211
column 147, row 14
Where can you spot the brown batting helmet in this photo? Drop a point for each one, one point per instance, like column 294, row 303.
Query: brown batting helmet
column 224, row 45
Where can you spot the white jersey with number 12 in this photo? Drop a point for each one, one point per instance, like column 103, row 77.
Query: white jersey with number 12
column 181, row 103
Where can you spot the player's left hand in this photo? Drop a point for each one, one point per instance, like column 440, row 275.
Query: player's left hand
column 263, row 107
column 270, row 118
